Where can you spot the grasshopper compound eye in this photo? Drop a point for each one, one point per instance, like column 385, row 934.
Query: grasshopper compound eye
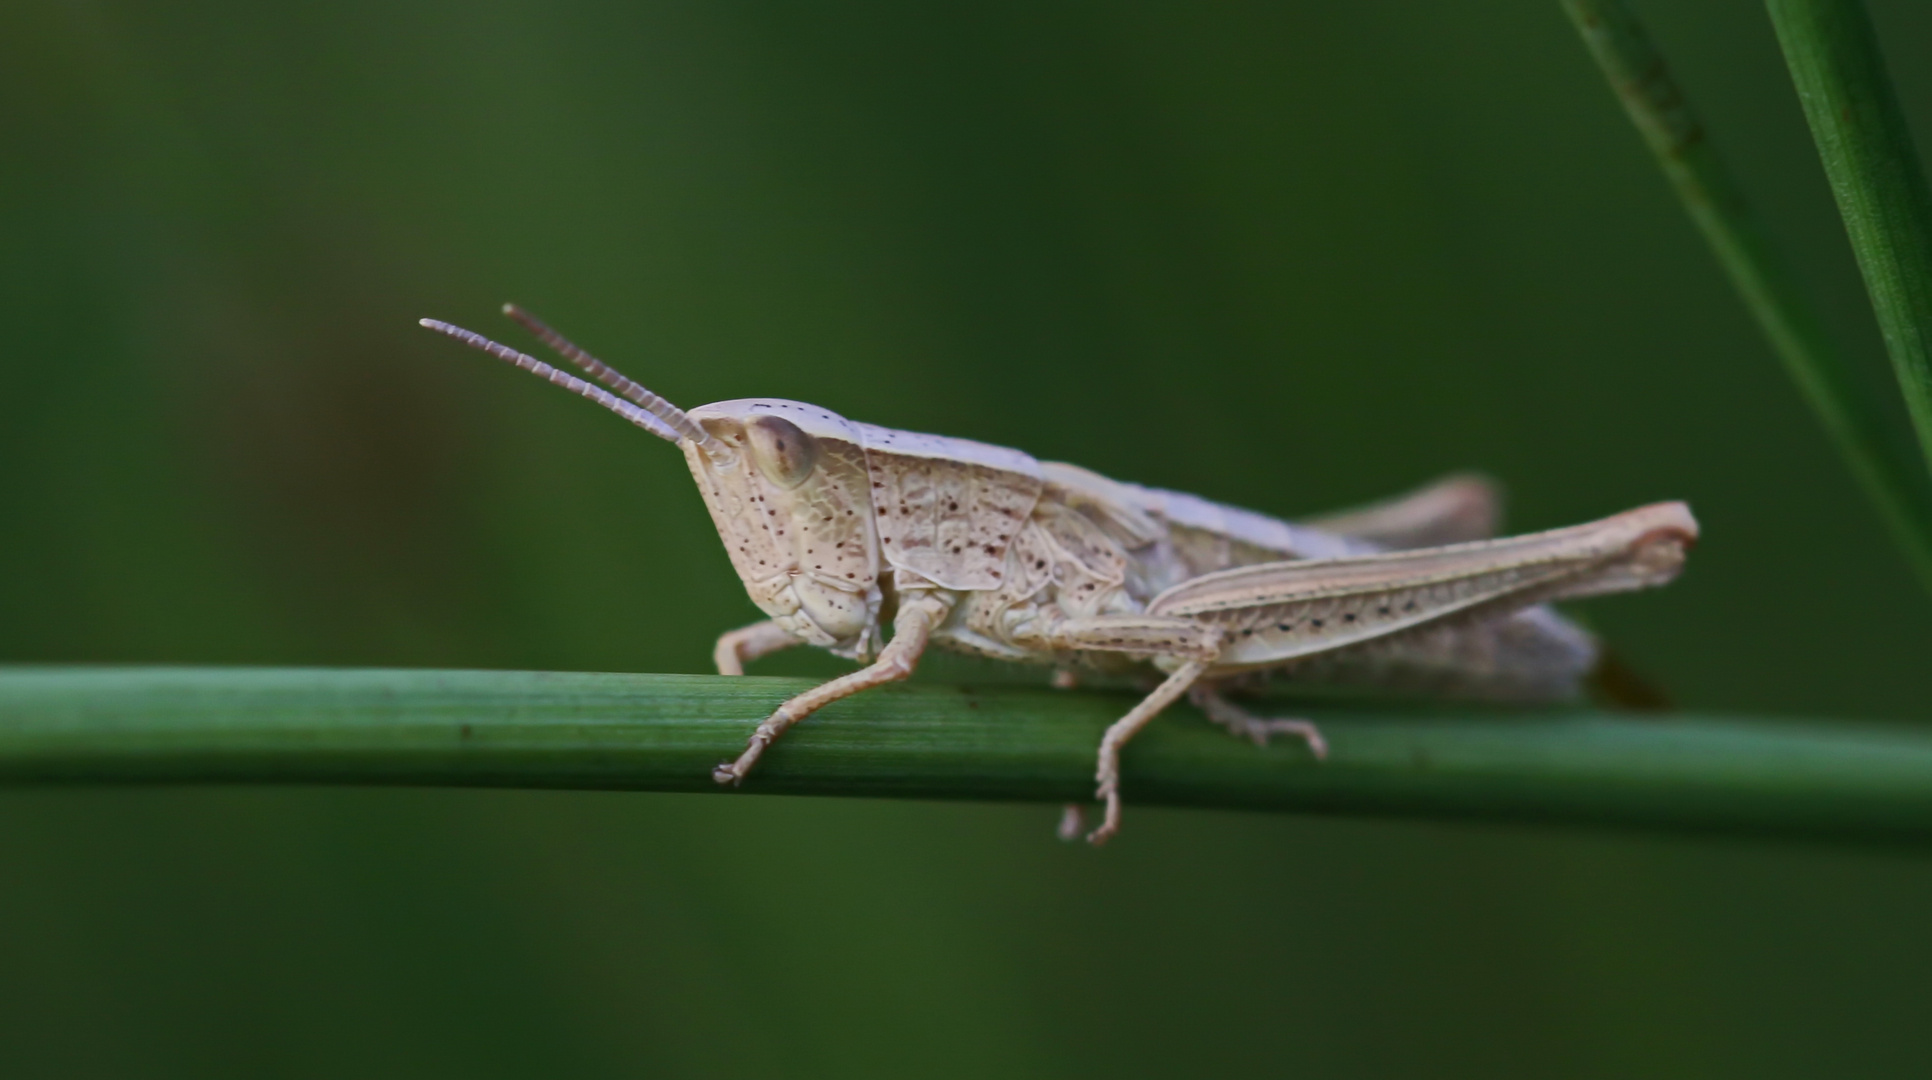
column 783, row 452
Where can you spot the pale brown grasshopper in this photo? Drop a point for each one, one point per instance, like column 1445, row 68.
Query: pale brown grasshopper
column 838, row 527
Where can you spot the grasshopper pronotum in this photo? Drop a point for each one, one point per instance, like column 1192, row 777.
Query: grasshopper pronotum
column 836, row 527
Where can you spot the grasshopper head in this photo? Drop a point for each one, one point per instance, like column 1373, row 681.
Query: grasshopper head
column 785, row 482
column 788, row 490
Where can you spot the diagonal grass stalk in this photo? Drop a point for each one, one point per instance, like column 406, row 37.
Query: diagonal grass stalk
column 1834, row 58
column 1882, row 460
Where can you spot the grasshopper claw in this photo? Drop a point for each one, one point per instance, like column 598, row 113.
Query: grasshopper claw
column 733, row 772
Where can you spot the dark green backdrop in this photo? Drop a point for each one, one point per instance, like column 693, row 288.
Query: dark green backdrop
column 1291, row 256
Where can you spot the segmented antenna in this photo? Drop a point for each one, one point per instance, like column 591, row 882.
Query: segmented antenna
column 610, row 376
column 572, row 383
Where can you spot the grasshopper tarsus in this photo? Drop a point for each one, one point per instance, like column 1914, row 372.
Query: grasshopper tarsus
column 1256, row 729
column 1109, row 796
column 833, row 524
column 733, row 773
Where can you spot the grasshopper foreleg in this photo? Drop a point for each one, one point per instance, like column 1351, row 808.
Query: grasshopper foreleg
column 739, row 647
column 918, row 614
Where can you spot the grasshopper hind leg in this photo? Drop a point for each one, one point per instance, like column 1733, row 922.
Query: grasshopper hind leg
column 1244, row 724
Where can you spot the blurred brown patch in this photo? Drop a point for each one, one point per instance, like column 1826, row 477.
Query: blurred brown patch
column 1614, row 682
column 339, row 458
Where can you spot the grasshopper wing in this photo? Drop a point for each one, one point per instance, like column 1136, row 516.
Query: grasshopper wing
column 1282, row 611
column 1455, row 509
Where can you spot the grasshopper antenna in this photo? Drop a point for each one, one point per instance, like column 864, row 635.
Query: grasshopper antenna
column 610, row 376
column 648, row 421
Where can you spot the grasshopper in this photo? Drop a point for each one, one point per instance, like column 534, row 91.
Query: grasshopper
column 838, row 527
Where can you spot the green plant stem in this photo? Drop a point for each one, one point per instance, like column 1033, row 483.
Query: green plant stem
column 1867, row 151
column 1882, row 460
column 665, row 732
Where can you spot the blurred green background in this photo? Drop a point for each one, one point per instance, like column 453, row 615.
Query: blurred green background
column 1291, row 256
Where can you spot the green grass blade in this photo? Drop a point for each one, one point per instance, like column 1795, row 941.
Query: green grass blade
column 664, row 732
column 1867, row 150
column 1883, row 461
